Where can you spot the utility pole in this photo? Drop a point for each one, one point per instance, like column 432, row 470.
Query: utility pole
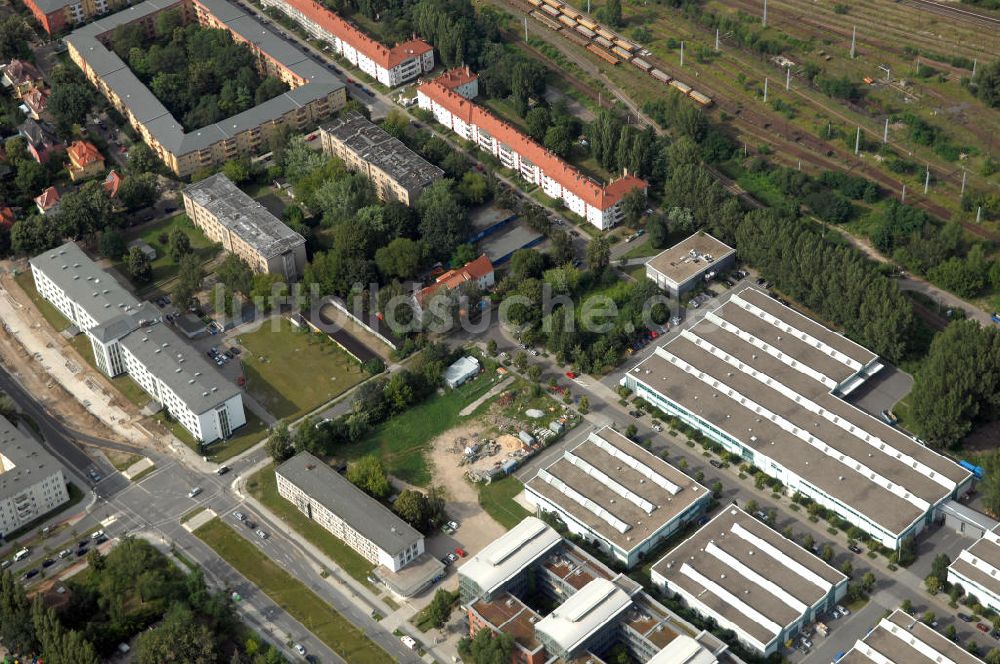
column 744, row 148
column 525, row 29
column 854, row 41
column 765, row 89
column 788, row 78
column 975, row 61
column 927, row 179
column 964, row 173
column 800, row 164
column 979, row 214
column 902, row 199
column 716, row 39
column 857, row 141
column 764, row 21
column 588, row 6
column 885, row 134
column 682, row 54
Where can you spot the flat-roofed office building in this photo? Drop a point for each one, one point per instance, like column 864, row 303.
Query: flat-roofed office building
column 750, row 579
column 617, row 495
column 977, row 568
column 397, row 172
column 245, row 227
column 766, row 383
column 683, row 266
column 902, row 639
column 32, row 482
column 560, row 604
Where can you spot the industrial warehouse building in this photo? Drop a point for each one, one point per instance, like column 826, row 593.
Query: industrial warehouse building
column 448, row 98
column 557, row 602
column 397, row 172
column 245, row 227
column 390, row 66
column 32, row 482
column 766, row 383
column 978, row 570
column 688, row 263
column 615, row 494
column 315, row 95
column 127, row 336
column 359, row 521
column 901, row 638
column 750, row 579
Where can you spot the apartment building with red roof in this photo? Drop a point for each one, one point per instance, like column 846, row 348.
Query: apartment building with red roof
column 598, row 204
column 390, row 66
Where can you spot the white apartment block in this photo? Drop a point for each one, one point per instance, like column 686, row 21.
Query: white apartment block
column 390, row 66
column 127, row 336
column 767, row 384
column 977, row 569
column 750, row 579
column 351, row 515
column 599, row 204
column 32, row 482
column 901, row 638
column 615, row 494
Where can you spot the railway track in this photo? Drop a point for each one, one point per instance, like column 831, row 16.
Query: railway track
column 955, row 12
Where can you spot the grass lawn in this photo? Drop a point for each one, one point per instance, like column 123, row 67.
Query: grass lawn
column 164, row 267
column 640, row 250
column 497, row 498
column 292, row 372
column 192, row 513
column 48, row 310
column 292, row 595
column 125, row 385
column 400, row 443
column 243, row 438
column 263, row 486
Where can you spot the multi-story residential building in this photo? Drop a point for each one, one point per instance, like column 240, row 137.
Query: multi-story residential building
column 358, row 520
column 900, row 638
column 683, row 266
column 560, row 604
column 245, row 227
column 766, row 383
column 397, row 172
column 126, row 336
column 750, row 579
column 58, row 15
column 461, row 80
column 977, row 569
column 616, row 495
column 316, row 93
column 599, row 204
column 390, row 66
column 32, row 482
column 480, row 272
column 85, row 160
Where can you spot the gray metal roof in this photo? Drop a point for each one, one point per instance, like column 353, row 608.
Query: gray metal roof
column 360, row 511
column 119, row 326
column 28, row 461
column 84, row 282
column 180, row 366
column 148, row 110
column 243, row 216
column 387, row 153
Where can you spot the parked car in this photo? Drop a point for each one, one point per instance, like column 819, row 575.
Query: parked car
column 453, row 525
column 965, row 617
column 408, row 641
column 48, row 562
column 451, row 557
column 461, row 553
column 29, row 574
column 64, row 553
column 854, row 548
column 982, row 627
column 571, row 375
column 842, row 611
column 715, row 463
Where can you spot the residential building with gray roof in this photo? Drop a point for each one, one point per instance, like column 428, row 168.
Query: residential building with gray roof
column 32, row 482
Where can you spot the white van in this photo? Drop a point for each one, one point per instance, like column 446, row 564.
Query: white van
column 21, row 555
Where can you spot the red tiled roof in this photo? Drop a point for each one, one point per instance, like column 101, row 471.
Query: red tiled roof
column 387, row 58
column 457, row 77
column 36, row 99
column 48, row 198
column 84, row 153
column 112, row 182
column 6, row 217
column 592, row 193
column 471, row 271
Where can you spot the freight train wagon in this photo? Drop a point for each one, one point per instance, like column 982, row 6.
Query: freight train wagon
column 607, row 34
column 683, row 87
column 567, row 21
column 550, row 10
column 601, row 53
column 569, row 11
column 622, row 53
column 588, row 23
column 660, row 76
column 536, row 3
column 546, row 21
column 702, row 99
column 604, row 42
column 626, row 44
column 642, row 64
column 586, row 32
